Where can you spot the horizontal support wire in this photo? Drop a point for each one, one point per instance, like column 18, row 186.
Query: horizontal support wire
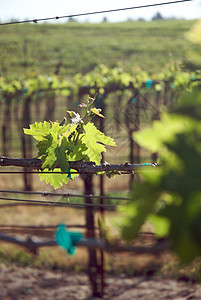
column 40, row 231
column 35, row 172
column 40, row 226
column 15, row 204
column 94, row 12
column 67, row 195
column 66, row 204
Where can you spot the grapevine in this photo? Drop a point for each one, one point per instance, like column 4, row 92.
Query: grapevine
column 59, row 144
column 170, row 197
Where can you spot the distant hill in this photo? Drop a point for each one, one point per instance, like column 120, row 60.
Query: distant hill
column 75, row 47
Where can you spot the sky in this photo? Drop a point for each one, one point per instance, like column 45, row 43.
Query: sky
column 34, row 9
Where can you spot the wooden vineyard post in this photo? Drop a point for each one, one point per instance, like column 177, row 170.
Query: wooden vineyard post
column 137, row 128
column 26, row 142
column 165, row 96
column 101, row 104
column 37, row 103
column 116, row 112
column 6, row 127
column 93, row 268
column 70, row 99
column 156, row 116
column 132, row 121
column 101, row 267
column 50, row 107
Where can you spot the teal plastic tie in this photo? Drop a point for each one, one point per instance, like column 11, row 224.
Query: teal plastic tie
column 173, row 85
column 134, row 100
column 149, row 83
column 75, row 103
column 24, row 92
column 66, row 239
column 69, row 174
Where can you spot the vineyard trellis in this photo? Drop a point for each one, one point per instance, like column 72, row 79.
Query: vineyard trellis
column 91, row 242
column 134, row 84
column 115, row 80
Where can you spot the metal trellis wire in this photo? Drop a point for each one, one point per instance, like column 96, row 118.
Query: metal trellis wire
column 94, row 12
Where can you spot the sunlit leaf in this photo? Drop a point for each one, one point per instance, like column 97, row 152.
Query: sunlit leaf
column 97, row 111
column 55, row 180
column 95, row 141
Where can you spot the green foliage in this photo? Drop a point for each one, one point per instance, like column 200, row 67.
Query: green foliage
column 55, row 180
column 137, row 211
column 60, row 143
column 194, row 37
column 170, row 197
column 38, row 130
column 95, row 141
column 41, row 48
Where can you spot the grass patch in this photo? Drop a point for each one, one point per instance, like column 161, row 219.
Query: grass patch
column 30, row 48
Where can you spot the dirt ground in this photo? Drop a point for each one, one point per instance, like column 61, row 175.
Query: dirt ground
column 28, row 283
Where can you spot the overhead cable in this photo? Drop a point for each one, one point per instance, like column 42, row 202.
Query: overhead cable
column 93, row 13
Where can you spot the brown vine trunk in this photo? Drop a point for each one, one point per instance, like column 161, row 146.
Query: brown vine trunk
column 165, row 96
column 131, row 154
column 156, row 116
column 26, row 142
column 117, row 112
column 102, row 177
column 132, row 121
column 69, row 102
column 137, row 128
column 16, row 112
column 102, row 129
column 50, row 108
column 37, row 103
column 93, row 268
column 6, row 127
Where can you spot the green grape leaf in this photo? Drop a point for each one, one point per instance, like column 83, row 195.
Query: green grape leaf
column 170, row 196
column 55, row 180
column 138, row 210
column 53, row 152
column 78, row 152
column 162, row 131
column 189, row 108
column 95, row 141
column 125, row 78
column 39, row 130
column 60, row 153
column 160, row 224
column 44, row 145
column 64, row 92
column 47, row 152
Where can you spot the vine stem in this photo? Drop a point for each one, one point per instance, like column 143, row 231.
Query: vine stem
column 33, row 243
column 83, row 167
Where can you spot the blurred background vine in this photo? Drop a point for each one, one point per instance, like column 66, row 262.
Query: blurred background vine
column 170, row 197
